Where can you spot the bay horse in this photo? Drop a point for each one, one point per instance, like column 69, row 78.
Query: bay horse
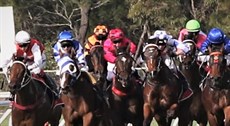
column 33, row 103
column 161, row 90
column 216, row 93
column 126, row 94
column 82, row 104
column 190, row 69
column 99, row 65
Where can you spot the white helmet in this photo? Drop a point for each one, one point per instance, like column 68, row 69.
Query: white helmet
column 22, row 37
column 161, row 34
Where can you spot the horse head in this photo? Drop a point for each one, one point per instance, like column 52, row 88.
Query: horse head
column 98, row 61
column 189, row 58
column 152, row 58
column 123, row 68
column 217, row 63
column 19, row 75
column 69, row 72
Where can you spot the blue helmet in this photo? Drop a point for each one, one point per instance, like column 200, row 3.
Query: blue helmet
column 65, row 36
column 216, row 36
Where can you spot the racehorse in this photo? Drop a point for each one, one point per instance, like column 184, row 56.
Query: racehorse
column 189, row 67
column 126, row 94
column 33, row 103
column 82, row 104
column 99, row 65
column 161, row 91
column 216, row 94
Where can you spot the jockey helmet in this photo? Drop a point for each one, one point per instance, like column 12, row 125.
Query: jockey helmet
column 22, row 37
column 193, row 26
column 100, row 29
column 65, row 36
column 116, row 35
column 215, row 36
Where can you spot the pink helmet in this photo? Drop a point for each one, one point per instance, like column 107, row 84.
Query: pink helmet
column 116, row 35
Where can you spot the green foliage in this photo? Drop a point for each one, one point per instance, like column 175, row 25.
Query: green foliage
column 130, row 15
column 50, row 64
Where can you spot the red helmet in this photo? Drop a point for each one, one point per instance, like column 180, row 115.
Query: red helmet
column 116, row 35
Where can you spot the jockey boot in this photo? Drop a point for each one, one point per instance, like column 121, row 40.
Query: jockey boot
column 187, row 91
column 53, row 87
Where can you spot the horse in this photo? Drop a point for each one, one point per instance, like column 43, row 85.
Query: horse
column 82, row 104
column 216, row 93
column 161, row 90
column 99, row 65
column 126, row 94
column 190, row 69
column 33, row 103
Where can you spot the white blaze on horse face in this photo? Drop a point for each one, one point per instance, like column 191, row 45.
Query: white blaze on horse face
column 63, row 79
column 123, row 59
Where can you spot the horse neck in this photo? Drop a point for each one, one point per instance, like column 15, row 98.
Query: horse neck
column 28, row 94
column 192, row 74
column 82, row 84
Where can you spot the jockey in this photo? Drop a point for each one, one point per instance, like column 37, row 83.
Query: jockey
column 116, row 38
column 99, row 36
column 192, row 31
column 178, row 48
column 215, row 37
column 65, row 43
column 33, row 52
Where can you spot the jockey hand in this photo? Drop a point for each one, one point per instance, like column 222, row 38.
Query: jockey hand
column 179, row 52
column 83, row 67
column 30, row 67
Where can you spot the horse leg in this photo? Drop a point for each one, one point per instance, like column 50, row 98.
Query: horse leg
column 227, row 116
column 88, row 119
column 147, row 114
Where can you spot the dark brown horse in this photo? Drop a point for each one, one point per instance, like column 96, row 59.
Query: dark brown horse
column 82, row 104
column 161, row 90
column 99, row 65
column 191, row 71
column 216, row 94
column 126, row 98
column 33, row 104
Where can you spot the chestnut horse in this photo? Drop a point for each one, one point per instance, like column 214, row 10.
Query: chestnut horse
column 126, row 94
column 161, row 91
column 191, row 71
column 82, row 104
column 33, row 104
column 216, row 93
column 99, row 65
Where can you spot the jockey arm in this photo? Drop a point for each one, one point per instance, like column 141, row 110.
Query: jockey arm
column 109, row 56
column 37, row 54
column 56, row 49
column 80, row 54
column 133, row 48
column 227, row 45
column 181, row 48
column 204, row 46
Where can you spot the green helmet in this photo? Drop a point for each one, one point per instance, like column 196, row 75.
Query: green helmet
column 193, row 26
